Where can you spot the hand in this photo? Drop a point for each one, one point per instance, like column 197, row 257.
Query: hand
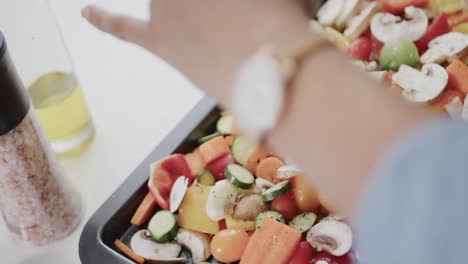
column 207, row 40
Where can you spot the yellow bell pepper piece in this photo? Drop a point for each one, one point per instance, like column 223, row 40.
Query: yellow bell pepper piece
column 232, row 223
column 192, row 212
column 462, row 28
column 445, row 6
column 336, row 38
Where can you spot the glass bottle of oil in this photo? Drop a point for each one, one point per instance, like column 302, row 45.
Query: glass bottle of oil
column 45, row 67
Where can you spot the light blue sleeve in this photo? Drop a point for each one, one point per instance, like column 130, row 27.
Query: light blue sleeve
column 415, row 209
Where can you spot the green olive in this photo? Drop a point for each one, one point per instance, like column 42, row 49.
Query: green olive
column 396, row 53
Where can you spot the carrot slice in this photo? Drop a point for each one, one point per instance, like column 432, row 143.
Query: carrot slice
column 257, row 155
column 438, row 105
column 458, row 76
column 273, row 242
column 196, row 162
column 214, row 149
column 229, row 140
column 144, row 211
column 128, row 252
column 458, row 18
column 267, row 168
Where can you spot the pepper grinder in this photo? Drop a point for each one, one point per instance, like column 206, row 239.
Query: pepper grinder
column 37, row 202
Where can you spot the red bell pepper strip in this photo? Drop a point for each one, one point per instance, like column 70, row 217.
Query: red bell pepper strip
column 396, row 7
column 438, row 27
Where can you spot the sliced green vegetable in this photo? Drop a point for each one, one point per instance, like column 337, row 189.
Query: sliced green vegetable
column 224, row 125
column 239, row 176
column 242, row 149
column 271, row 214
column 208, row 138
column 162, row 227
column 396, row 53
column 303, row 222
column 276, row 191
column 206, row 178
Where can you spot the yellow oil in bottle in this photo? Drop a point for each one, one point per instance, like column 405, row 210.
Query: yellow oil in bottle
column 62, row 112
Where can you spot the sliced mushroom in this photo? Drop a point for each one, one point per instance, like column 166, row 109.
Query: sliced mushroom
column 221, row 200
column 446, row 47
column 179, row 188
column 248, row 207
column 387, row 27
column 332, row 236
column 455, row 108
column 288, row 171
column 198, row 244
column 154, row 252
column 421, row 86
column 350, row 9
column 358, row 24
column 330, row 11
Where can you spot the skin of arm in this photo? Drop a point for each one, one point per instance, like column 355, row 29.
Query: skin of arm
column 340, row 120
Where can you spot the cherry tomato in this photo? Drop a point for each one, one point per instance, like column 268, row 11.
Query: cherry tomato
column 228, row 245
column 360, row 49
column 303, row 254
column 324, row 257
column 306, row 196
column 218, row 166
column 286, row 205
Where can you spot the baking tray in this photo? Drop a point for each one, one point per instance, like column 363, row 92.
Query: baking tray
column 112, row 220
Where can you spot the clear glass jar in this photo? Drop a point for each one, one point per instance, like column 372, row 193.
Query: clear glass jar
column 37, row 202
column 45, row 67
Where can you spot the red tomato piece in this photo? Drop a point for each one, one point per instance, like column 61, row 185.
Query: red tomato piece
column 330, row 259
column 218, row 166
column 303, row 254
column 396, row 7
column 439, row 26
column 286, row 205
column 360, row 49
column 222, row 224
column 163, row 175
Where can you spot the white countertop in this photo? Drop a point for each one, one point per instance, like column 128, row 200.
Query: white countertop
column 135, row 100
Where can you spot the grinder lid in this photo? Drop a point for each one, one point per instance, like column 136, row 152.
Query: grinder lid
column 14, row 100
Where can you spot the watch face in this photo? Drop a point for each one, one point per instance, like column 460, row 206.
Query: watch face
column 258, row 94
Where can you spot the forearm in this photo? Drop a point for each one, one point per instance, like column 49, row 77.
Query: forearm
column 339, row 124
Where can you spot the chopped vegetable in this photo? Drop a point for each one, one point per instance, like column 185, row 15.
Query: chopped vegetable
column 152, row 251
column 306, row 196
column 332, row 236
column 162, row 227
column 269, row 214
column 249, row 207
column 446, row 6
column 276, row 191
column 273, row 242
column 144, row 211
column 397, row 6
column 229, row 139
column 303, row 222
column 438, row 27
column 229, row 245
column 218, row 166
column 192, row 212
column 254, row 159
column 360, row 49
column 287, row 172
column 128, row 252
column 263, row 185
column 233, row 223
column 302, row 254
column 267, row 169
column 242, row 149
column 221, row 200
column 208, row 137
column 446, row 47
column 239, row 176
column 326, row 258
column 396, row 53
column 214, row 149
column 438, row 105
column 462, row 28
column 458, row 76
column 337, row 39
column 195, row 162
column 286, row 205
column 225, row 124
column 178, row 191
column 162, row 177
column 206, row 178
column 458, row 18
column 198, row 244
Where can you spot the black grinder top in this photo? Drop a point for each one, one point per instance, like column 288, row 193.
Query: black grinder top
column 14, row 100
